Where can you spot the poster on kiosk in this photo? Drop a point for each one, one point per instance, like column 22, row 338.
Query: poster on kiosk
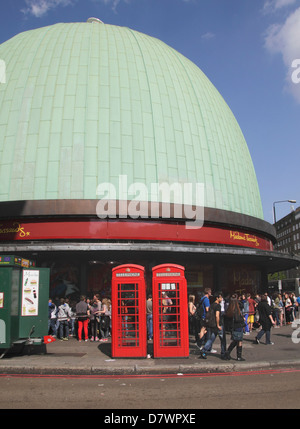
column 170, row 312
column 129, row 333
column 24, row 295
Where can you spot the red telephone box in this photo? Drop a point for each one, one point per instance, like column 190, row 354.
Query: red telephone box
column 129, row 330
column 170, row 311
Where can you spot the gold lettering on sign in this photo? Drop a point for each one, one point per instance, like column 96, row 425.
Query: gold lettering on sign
column 235, row 235
column 242, row 279
column 15, row 228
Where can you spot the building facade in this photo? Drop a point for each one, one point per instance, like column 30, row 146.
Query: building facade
column 288, row 233
column 115, row 148
column 288, row 242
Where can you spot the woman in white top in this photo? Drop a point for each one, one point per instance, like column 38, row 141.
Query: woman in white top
column 192, row 311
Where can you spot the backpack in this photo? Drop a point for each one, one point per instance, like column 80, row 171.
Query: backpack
column 200, row 310
column 210, row 318
column 246, row 307
column 104, row 322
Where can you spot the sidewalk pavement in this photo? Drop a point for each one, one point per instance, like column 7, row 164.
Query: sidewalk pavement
column 94, row 358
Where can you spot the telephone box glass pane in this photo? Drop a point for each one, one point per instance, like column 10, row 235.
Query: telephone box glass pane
column 128, row 315
column 169, row 314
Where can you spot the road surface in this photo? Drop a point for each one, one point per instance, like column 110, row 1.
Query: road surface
column 267, row 389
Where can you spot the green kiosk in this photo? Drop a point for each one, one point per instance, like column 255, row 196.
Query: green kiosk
column 24, row 294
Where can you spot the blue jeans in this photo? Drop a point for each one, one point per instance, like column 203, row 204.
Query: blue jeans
column 268, row 335
column 222, row 336
column 277, row 313
column 63, row 327
column 246, row 320
column 72, row 326
column 150, row 326
column 211, row 336
column 53, row 326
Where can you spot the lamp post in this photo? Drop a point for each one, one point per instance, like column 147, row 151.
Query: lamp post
column 283, row 201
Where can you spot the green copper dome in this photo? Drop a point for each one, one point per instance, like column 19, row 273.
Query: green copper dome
column 84, row 103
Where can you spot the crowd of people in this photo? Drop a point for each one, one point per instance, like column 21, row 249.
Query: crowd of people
column 237, row 316
column 85, row 319
column 90, row 319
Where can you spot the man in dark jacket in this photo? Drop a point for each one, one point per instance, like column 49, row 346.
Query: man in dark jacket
column 265, row 319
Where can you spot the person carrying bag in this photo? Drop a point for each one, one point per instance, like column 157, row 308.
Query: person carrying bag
column 235, row 323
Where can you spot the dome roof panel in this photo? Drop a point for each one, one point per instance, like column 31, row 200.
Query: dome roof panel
column 87, row 102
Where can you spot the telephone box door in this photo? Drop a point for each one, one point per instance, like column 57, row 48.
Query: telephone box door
column 170, row 311
column 129, row 330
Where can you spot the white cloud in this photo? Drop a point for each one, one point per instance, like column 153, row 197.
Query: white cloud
column 284, row 39
column 113, row 3
column 39, row 8
column 275, row 5
column 208, row 36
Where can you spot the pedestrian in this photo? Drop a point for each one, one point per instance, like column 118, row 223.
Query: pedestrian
column 105, row 319
column 166, row 309
column 202, row 309
column 213, row 318
column 63, row 316
column 257, row 299
column 197, row 324
column 222, row 334
column 124, row 315
column 52, row 318
column 82, row 314
column 251, row 311
column 109, row 314
column 288, row 308
column 89, row 303
column 269, row 301
column 293, row 301
column 149, row 316
column 266, row 320
column 72, row 306
column 241, row 304
column 245, row 313
column 191, row 311
column 234, row 322
column 297, row 305
column 95, row 309
column 277, row 310
column 281, row 306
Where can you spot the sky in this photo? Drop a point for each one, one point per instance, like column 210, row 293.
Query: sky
column 249, row 49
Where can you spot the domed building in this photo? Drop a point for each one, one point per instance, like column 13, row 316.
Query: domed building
column 115, row 148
